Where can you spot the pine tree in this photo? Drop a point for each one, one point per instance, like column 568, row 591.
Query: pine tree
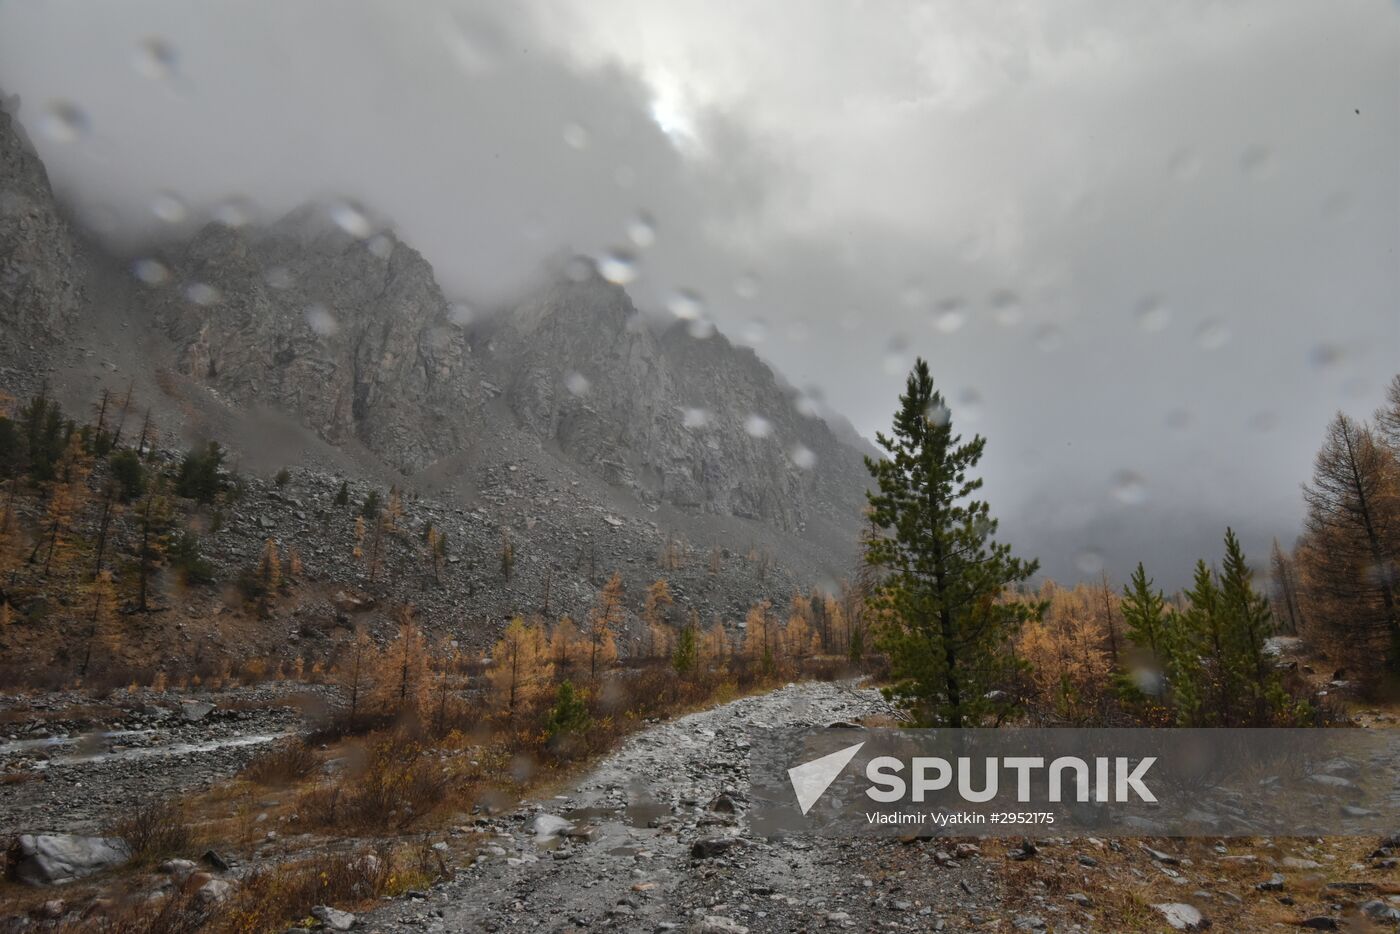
column 606, row 617
column 655, row 610
column 1388, row 415
column 342, row 495
column 686, row 652
column 66, row 497
column 1284, row 584
column 354, row 673
column 1144, row 615
column 715, row 647
column 1254, row 688
column 269, row 576
column 948, row 628
column 404, row 684
column 101, row 618
column 154, row 516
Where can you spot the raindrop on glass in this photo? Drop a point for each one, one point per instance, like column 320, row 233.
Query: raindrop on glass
column 950, row 316
column 970, row 404
column 686, row 304
column 63, row 122
column 1325, row 356
column 700, row 328
column 695, row 418
column 168, row 207
column 1212, row 334
column 756, row 426
column 155, row 58
column 1153, row 314
column 575, row 135
column 641, row 230
column 754, row 331
column 381, row 246
column 351, row 218
column 150, row 271
column 618, row 266
column 746, row 286
column 913, row 295
column 203, row 294
column 321, row 321
column 235, row 212
column 1006, row 308
column 460, row 314
column 1262, row 421
column 577, row 384
column 803, row 457
column 938, row 414
column 1089, row 561
column 279, row 277
column 1129, row 487
column 1049, row 338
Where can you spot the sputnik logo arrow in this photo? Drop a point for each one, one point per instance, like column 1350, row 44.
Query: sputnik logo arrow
column 811, row 779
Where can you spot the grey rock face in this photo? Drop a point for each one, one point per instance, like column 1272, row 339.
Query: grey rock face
column 53, row 859
column 40, row 277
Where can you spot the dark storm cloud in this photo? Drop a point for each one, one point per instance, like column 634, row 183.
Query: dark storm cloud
column 1149, row 249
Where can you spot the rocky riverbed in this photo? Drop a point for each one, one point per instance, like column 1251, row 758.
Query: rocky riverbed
column 657, row 838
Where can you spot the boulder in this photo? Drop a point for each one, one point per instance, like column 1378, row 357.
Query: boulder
column 193, row 711
column 1182, row 917
column 53, row 859
column 710, row 847
column 333, row 919
column 550, row 825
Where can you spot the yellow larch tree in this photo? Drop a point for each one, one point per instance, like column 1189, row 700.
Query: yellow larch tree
column 521, row 669
column 606, row 617
column 655, row 610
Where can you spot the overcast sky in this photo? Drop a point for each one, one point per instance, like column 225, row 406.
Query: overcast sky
column 1148, row 249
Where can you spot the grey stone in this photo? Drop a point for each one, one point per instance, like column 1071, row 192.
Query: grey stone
column 55, row 859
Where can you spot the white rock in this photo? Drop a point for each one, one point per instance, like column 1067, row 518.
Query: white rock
column 1182, row 917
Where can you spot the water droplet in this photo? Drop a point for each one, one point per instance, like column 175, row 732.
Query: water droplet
column 803, row 457
column 913, row 295
column 1254, row 161
column 1153, row 314
column 641, row 230
column 1089, row 561
column 1263, row 421
column 686, row 304
column 1212, row 334
column 1178, row 419
column 618, row 266
column 279, row 277
column 460, row 314
column 938, row 414
column 151, row 271
column 756, row 426
column 167, row 207
column 950, row 315
column 970, row 405
column 155, row 58
column 577, row 384
column 575, row 135
column 1049, row 338
column 63, row 122
column 202, row 294
column 700, row 328
column 754, row 331
column 234, row 212
column 1006, row 308
column 381, row 246
column 1129, row 487
column 746, row 286
column 1324, row 356
column 321, row 321
column 636, row 324
column 351, row 218
column 809, row 401
column 695, row 418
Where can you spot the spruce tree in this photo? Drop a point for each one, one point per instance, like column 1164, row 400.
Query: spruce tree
column 946, row 622
column 1142, row 609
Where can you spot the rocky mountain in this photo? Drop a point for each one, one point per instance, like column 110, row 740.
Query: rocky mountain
column 40, row 274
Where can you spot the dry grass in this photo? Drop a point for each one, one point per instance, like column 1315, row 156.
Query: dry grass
column 287, row 763
column 154, row 831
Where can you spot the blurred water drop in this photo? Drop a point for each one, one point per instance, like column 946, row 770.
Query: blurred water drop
column 809, row 402
column 756, row 426
column 1212, row 334
column 970, row 405
column 938, row 414
column 1129, row 487
column 1325, row 356
column 351, row 218
column 913, row 295
column 1049, row 338
column 950, row 315
column 1178, row 419
column 577, row 384
column 618, row 266
column 1262, row 421
column 234, row 212
column 1006, row 308
column 472, row 54
column 279, row 277
column 167, row 207
column 754, row 331
column 803, row 457
column 155, row 58
column 460, row 314
column 321, row 321
column 1089, row 561
column 700, row 328
column 641, row 230
column 695, row 418
column 151, row 271
column 746, row 286
column 381, row 246
column 686, row 304
column 1254, row 161
column 1153, row 314
column 575, row 135
column 203, row 294
column 636, row 323
column 63, row 122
